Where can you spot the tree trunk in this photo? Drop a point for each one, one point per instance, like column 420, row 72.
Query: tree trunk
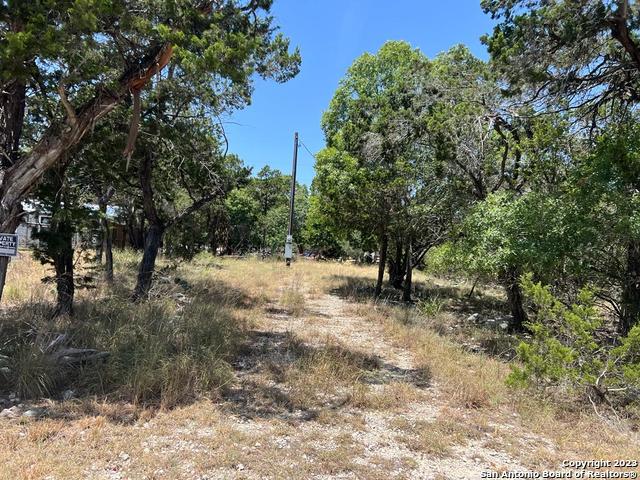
column 106, row 244
column 60, row 243
column 135, row 230
column 22, row 172
column 156, row 230
column 12, row 106
column 384, row 244
column 406, row 292
column 4, row 266
column 212, row 239
column 108, row 251
column 102, row 211
column 511, row 283
column 100, row 248
column 397, row 268
column 631, row 290
column 148, row 263
column 63, row 262
column 20, row 176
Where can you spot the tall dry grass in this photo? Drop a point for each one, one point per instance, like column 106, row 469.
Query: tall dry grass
column 166, row 351
column 23, row 282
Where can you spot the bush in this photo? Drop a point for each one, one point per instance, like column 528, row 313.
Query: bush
column 569, row 350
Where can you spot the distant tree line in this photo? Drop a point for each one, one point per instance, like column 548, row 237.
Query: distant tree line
column 251, row 218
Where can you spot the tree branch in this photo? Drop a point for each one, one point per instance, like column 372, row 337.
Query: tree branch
column 72, row 119
column 620, row 31
column 193, row 208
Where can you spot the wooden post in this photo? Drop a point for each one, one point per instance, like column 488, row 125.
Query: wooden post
column 288, row 247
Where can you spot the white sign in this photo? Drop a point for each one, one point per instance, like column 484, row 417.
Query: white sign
column 8, row 245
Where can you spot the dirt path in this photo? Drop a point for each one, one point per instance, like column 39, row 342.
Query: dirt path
column 381, row 442
column 328, row 393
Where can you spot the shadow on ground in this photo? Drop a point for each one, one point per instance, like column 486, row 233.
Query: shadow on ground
column 266, row 356
column 432, row 299
column 148, row 343
column 361, row 289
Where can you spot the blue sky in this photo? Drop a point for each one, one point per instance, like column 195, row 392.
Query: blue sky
column 331, row 34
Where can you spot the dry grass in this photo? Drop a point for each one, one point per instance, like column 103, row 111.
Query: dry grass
column 435, row 437
column 23, row 283
column 476, row 383
column 394, row 396
column 165, row 419
column 293, row 298
column 166, row 351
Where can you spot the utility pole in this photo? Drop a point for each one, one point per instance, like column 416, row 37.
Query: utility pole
column 288, row 246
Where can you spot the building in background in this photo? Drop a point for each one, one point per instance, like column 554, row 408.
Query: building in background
column 33, row 220
column 37, row 218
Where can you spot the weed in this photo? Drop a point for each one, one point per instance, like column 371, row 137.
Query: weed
column 432, row 307
column 293, row 299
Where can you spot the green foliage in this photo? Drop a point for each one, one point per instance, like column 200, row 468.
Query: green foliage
column 277, row 219
column 243, row 211
column 259, row 212
column 569, row 349
column 207, row 227
column 89, row 40
column 319, row 234
column 382, row 173
column 564, row 52
column 447, row 259
column 628, row 354
column 371, row 122
column 80, row 52
column 342, row 191
column 563, row 347
column 506, row 230
column 270, row 188
column 252, row 213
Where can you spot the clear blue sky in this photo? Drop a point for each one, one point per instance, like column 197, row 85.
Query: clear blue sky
column 331, row 34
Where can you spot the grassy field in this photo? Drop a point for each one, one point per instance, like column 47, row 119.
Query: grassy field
column 239, row 368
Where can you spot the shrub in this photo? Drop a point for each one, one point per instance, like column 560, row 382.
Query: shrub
column 568, row 350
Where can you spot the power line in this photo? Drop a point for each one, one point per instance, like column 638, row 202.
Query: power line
column 308, row 151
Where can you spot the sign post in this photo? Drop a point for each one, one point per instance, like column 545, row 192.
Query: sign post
column 8, row 245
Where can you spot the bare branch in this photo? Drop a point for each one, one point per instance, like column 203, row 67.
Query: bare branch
column 72, row 118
